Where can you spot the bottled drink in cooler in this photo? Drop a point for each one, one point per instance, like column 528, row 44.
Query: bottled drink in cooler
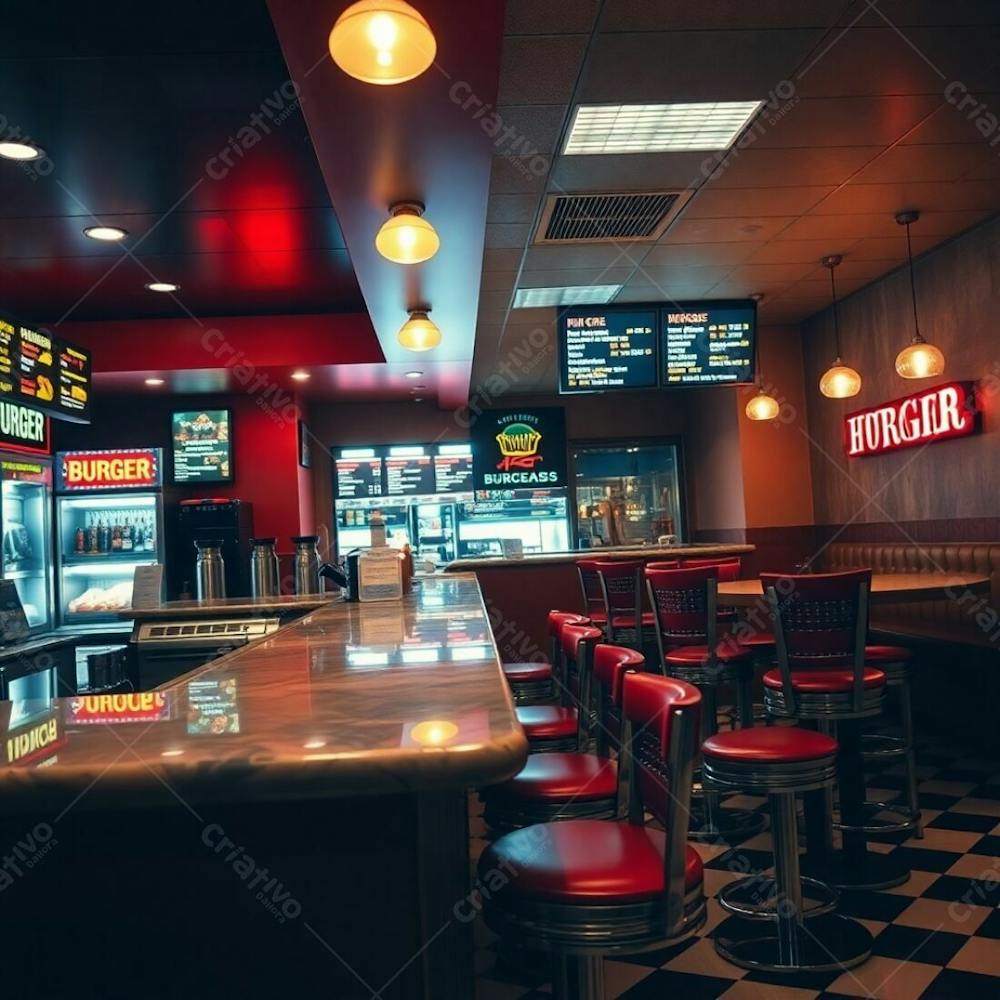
column 92, row 535
column 79, row 542
column 127, row 536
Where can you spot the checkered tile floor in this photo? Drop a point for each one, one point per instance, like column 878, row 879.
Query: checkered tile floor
column 937, row 937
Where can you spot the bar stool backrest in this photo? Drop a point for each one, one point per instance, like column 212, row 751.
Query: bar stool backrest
column 590, row 587
column 621, row 591
column 557, row 619
column 820, row 622
column 664, row 564
column 684, row 607
column 578, row 642
column 718, row 561
column 611, row 664
column 661, row 741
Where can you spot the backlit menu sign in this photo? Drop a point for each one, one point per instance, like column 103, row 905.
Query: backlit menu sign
column 46, row 372
column 453, row 468
column 708, row 343
column 359, row 473
column 609, row 349
column 202, row 446
column 23, row 428
column 409, row 471
column 519, row 449
column 132, row 468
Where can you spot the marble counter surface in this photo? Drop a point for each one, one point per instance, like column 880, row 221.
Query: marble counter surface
column 706, row 550
column 351, row 699
column 220, row 607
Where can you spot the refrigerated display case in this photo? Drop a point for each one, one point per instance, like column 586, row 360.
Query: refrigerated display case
column 628, row 494
column 109, row 520
column 538, row 519
column 25, row 505
column 353, row 520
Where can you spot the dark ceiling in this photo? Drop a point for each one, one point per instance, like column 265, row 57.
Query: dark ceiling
column 862, row 130
column 135, row 105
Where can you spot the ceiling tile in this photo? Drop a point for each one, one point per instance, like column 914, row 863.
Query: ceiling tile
column 498, row 281
column 572, row 255
column 956, row 116
column 713, row 202
column 549, row 17
column 668, row 276
column 891, row 198
column 725, row 230
column 540, row 69
column 891, row 248
column 514, row 175
column 655, row 15
column 511, row 208
column 675, row 292
column 632, row 172
column 501, row 260
column 530, row 129
column 491, row 300
column 768, row 277
column 575, row 276
column 852, row 269
column 789, row 309
column 780, row 167
column 800, row 251
column 695, row 254
column 834, row 227
column 932, row 162
column 906, row 13
column 506, row 236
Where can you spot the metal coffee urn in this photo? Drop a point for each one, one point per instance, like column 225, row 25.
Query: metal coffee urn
column 307, row 580
column 263, row 568
column 210, row 570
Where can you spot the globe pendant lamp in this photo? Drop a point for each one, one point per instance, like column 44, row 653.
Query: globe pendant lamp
column 763, row 406
column 418, row 333
column 918, row 359
column 839, row 381
column 382, row 41
column 407, row 238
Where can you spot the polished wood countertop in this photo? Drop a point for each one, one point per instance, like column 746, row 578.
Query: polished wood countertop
column 373, row 698
column 223, row 606
column 705, row 550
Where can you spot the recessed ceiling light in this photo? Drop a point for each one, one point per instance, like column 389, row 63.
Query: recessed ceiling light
column 154, row 381
column 171, row 753
column 572, row 295
column 108, row 234
column 301, row 376
column 657, row 128
column 412, row 374
column 417, row 388
column 162, row 286
column 20, row 151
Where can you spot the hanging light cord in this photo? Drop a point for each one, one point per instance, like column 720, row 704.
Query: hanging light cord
column 913, row 288
column 836, row 322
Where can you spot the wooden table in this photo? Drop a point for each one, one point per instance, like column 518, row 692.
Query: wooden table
column 887, row 588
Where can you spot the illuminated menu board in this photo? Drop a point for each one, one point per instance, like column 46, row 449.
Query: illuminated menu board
column 202, row 446
column 453, row 468
column 45, row 372
column 607, row 349
column 359, row 474
column 707, row 343
column 409, row 471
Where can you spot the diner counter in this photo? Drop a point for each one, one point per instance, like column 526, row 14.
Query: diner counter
column 694, row 550
column 228, row 606
column 352, row 699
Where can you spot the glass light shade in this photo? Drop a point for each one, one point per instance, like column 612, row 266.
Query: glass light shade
column 840, row 382
column 418, row 333
column 407, row 238
column 762, row 407
column 20, row 151
column 382, row 41
column 920, row 360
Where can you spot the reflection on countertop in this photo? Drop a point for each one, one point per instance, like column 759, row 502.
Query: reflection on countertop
column 692, row 550
column 350, row 699
column 282, row 604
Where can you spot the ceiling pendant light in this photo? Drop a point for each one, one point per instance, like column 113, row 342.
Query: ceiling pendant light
column 382, row 41
column 839, row 381
column 24, row 151
column 763, row 406
column 918, row 359
column 407, row 237
column 418, row 333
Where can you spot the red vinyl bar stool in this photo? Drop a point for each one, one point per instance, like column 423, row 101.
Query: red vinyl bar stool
column 820, row 625
column 537, row 681
column 780, row 763
column 560, row 785
column 590, row 590
column 582, row 889
column 687, row 636
column 896, row 663
column 622, row 593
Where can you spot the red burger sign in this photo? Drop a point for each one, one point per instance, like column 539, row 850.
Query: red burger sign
column 946, row 411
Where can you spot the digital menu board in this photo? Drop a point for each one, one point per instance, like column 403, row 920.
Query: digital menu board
column 453, row 468
column 202, row 446
column 607, row 349
column 359, row 473
column 45, row 372
column 708, row 342
column 409, row 471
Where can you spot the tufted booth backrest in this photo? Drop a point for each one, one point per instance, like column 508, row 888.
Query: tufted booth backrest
column 964, row 617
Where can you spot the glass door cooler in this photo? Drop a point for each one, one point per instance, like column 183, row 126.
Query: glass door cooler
column 26, row 550
column 109, row 514
column 538, row 519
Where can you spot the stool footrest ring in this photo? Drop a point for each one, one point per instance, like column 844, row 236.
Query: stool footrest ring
column 910, row 819
column 755, row 898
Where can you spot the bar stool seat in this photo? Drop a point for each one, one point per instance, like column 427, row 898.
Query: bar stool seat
column 527, row 671
column 824, row 681
column 588, row 860
column 698, row 656
column 548, row 722
column 756, row 641
column 580, row 776
column 769, row 745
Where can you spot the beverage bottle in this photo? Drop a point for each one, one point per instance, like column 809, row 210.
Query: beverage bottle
column 92, row 535
column 78, row 542
column 127, row 536
column 137, row 540
column 102, row 536
column 116, row 537
column 151, row 535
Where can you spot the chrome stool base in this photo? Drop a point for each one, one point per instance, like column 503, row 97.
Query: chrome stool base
column 874, row 826
column 830, row 943
column 867, row 871
column 756, row 898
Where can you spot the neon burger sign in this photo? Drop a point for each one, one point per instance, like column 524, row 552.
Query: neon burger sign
column 946, row 411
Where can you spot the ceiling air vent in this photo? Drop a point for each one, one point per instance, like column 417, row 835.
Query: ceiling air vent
column 608, row 218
